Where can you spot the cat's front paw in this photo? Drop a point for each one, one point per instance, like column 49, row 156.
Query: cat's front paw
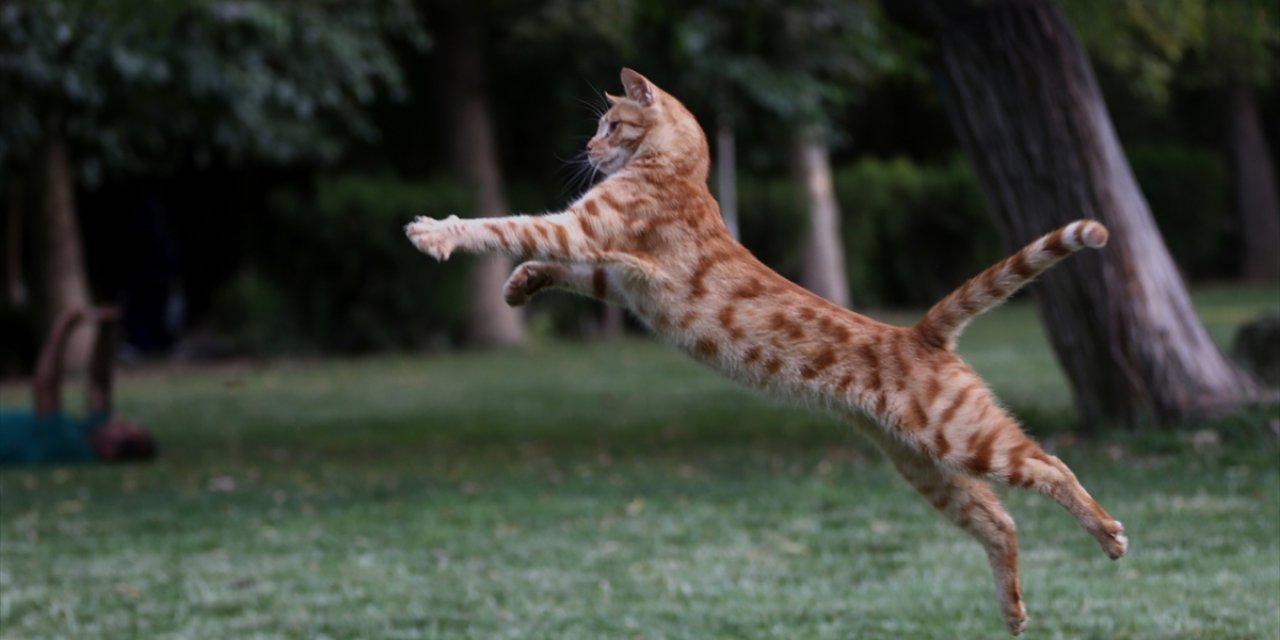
column 527, row 280
column 436, row 238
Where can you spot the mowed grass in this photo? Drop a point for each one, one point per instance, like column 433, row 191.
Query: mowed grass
column 612, row 491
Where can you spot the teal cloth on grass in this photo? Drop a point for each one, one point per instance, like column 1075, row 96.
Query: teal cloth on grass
column 53, row 438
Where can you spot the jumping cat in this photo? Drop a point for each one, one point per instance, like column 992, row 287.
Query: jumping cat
column 650, row 237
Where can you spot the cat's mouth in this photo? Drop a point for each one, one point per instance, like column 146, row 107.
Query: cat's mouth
column 607, row 162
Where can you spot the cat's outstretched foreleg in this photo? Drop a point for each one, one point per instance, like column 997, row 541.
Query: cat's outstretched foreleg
column 575, row 236
column 530, row 278
column 556, row 236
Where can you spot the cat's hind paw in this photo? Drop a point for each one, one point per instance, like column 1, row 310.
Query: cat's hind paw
column 436, row 238
column 1012, row 607
column 1114, row 541
column 1016, row 621
column 527, row 280
column 1016, row 625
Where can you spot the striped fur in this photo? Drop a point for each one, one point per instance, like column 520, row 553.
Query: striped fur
column 650, row 237
column 944, row 322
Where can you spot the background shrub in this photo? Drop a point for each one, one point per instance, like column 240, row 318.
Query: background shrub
column 331, row 270
column 771, row 221
column 1191, row 203
column 912, row 232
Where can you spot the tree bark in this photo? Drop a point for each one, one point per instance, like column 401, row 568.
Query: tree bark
column 15, row 283
column 727, row 176
column 475, row 155
column 63, row 279
column 1255, row 186
column 822, row 268
column 1026, row 106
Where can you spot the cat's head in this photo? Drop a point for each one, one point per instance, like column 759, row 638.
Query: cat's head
column 648, row 126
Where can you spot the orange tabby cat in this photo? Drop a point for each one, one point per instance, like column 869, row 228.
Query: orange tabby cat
column 650, row 237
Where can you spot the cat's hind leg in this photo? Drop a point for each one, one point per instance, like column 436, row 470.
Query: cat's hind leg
column 972, row 505
column 1051, row 476
column 1000, row 451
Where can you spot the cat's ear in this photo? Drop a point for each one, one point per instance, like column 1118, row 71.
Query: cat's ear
column 638, row 87
column 612, row 98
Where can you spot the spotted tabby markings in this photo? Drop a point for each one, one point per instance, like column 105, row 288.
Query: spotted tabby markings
column 653, row 222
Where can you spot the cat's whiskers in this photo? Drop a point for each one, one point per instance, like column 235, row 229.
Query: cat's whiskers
column 581, row 173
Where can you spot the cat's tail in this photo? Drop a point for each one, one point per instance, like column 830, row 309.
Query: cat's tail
column 944, row 322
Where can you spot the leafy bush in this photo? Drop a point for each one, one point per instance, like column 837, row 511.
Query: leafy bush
column 1190, row 201
column 258, row 314
column 772, row 220
column 332, row 270
column 911, row 232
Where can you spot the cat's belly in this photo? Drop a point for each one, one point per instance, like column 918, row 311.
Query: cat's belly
column 739, row 342
column 765, row 368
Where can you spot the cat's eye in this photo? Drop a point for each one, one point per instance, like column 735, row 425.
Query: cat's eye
column 610, row 125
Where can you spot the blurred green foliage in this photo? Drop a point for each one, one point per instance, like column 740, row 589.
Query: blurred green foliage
column 145, row 83
column 1196, row 42
column 799, row 62
column 331, row 270
column 1187, row 190
column 912, row 231
column 772, row 219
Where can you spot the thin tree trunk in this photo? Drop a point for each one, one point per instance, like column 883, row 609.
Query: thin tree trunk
column 15, row 284
column 1255, row 187
column 1028, row 111
column 490, row 321
column 63, row 278
column 727, row 176
column 822, row 269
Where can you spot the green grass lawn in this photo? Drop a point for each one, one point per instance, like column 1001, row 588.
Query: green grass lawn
column 611, row 491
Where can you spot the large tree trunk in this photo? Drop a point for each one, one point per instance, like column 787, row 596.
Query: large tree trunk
column 475, row 155
column 63, row 277
column 15, row 283
column 1255, row 186
column 822, row 269
column 1027, row 108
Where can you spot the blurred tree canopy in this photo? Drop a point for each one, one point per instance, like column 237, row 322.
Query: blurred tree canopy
column 1155, row 44
column 800, row 61
column 91, row 85
column 244, row 78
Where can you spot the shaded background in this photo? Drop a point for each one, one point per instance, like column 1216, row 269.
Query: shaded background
column 236, row 173
column 235, row 176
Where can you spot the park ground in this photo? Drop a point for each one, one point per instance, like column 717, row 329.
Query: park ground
column 614, row 490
